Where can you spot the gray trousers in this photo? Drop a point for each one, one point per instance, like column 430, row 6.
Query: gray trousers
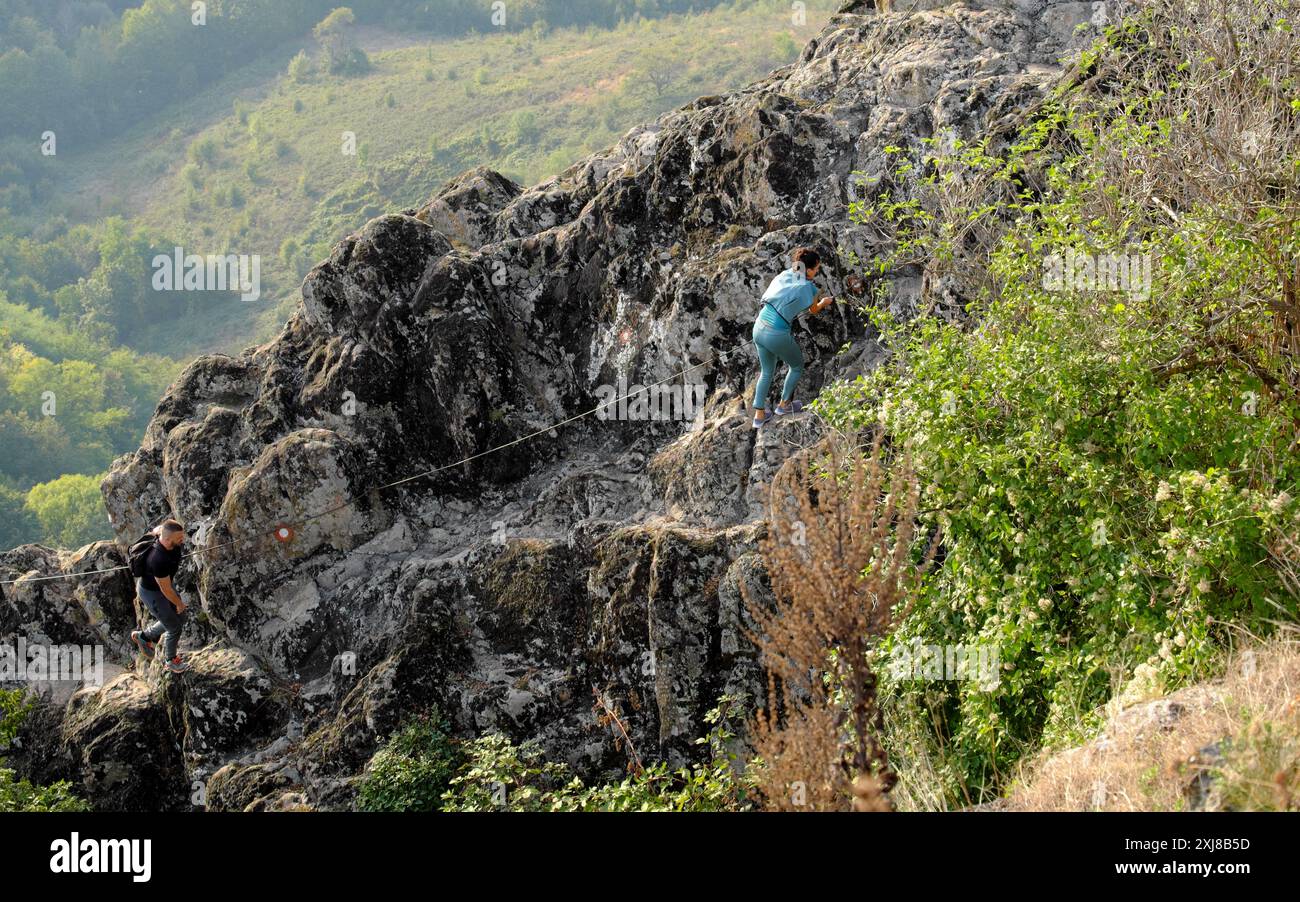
column 168, row 624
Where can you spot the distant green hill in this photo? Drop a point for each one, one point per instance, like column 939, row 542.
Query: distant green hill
column 255, row 164
column 267, row 173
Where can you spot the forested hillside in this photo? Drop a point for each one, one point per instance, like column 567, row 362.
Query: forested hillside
column 119, row 141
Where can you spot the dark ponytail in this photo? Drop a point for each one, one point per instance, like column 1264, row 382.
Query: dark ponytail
column 805, row 258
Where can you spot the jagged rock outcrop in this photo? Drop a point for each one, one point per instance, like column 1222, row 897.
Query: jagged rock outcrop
column 88, row 611
column 124, row 750
column 608, row 555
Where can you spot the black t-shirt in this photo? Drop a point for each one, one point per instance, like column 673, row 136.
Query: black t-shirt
column 160, row 562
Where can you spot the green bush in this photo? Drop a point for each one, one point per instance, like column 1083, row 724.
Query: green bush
column 14, row 708
column 204, row 151
column 523, row 128
column 17, row 523
column 300, row 67
column 412, row 770
column 785, row 47
column 354, row 63
column 1106, row 498
column 500, row 776
column 20, row 795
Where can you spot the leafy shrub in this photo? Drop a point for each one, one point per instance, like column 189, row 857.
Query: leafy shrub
column 300, row 67
column 499, row 775
column 785, row 47
column 14, row 708
column 1107, row 470
column 70, row 510
column 355, row 62
column 20, row 795
column 523, row 128
column 204, row 151
column 412, row 770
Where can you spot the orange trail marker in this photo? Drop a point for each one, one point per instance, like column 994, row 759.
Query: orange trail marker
column 284, row 533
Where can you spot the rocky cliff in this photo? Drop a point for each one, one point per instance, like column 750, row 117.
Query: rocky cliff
column 606, row 555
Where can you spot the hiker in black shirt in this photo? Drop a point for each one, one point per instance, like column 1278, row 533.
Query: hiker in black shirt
column 156, row 591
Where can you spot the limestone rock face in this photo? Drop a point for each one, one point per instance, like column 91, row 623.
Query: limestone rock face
column 226, row 703
column 91, row 610
column 124, row 750
column 608, row 555
column 465, row 210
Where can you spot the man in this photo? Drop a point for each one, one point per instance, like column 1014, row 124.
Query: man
column 156, row 591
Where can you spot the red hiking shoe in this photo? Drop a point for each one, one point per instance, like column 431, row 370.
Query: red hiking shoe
column 176, row 665
column 146, row 647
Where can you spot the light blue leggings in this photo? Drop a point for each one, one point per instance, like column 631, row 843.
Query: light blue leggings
column 776, row 345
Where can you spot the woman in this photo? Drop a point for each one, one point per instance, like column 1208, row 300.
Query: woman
column 791, row 293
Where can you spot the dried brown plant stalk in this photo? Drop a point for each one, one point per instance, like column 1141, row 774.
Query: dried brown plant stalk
column 607, row 715
column 842, row 533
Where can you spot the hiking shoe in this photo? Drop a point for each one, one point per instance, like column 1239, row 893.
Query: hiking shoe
column 795, row 407
column 176, row 665
column 145, row 646
column 759, row 423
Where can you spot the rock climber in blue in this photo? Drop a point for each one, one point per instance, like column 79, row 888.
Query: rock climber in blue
column 791, row 293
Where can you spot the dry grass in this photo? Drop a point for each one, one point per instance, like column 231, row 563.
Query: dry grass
column 1231, row 743
column 841, row 537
